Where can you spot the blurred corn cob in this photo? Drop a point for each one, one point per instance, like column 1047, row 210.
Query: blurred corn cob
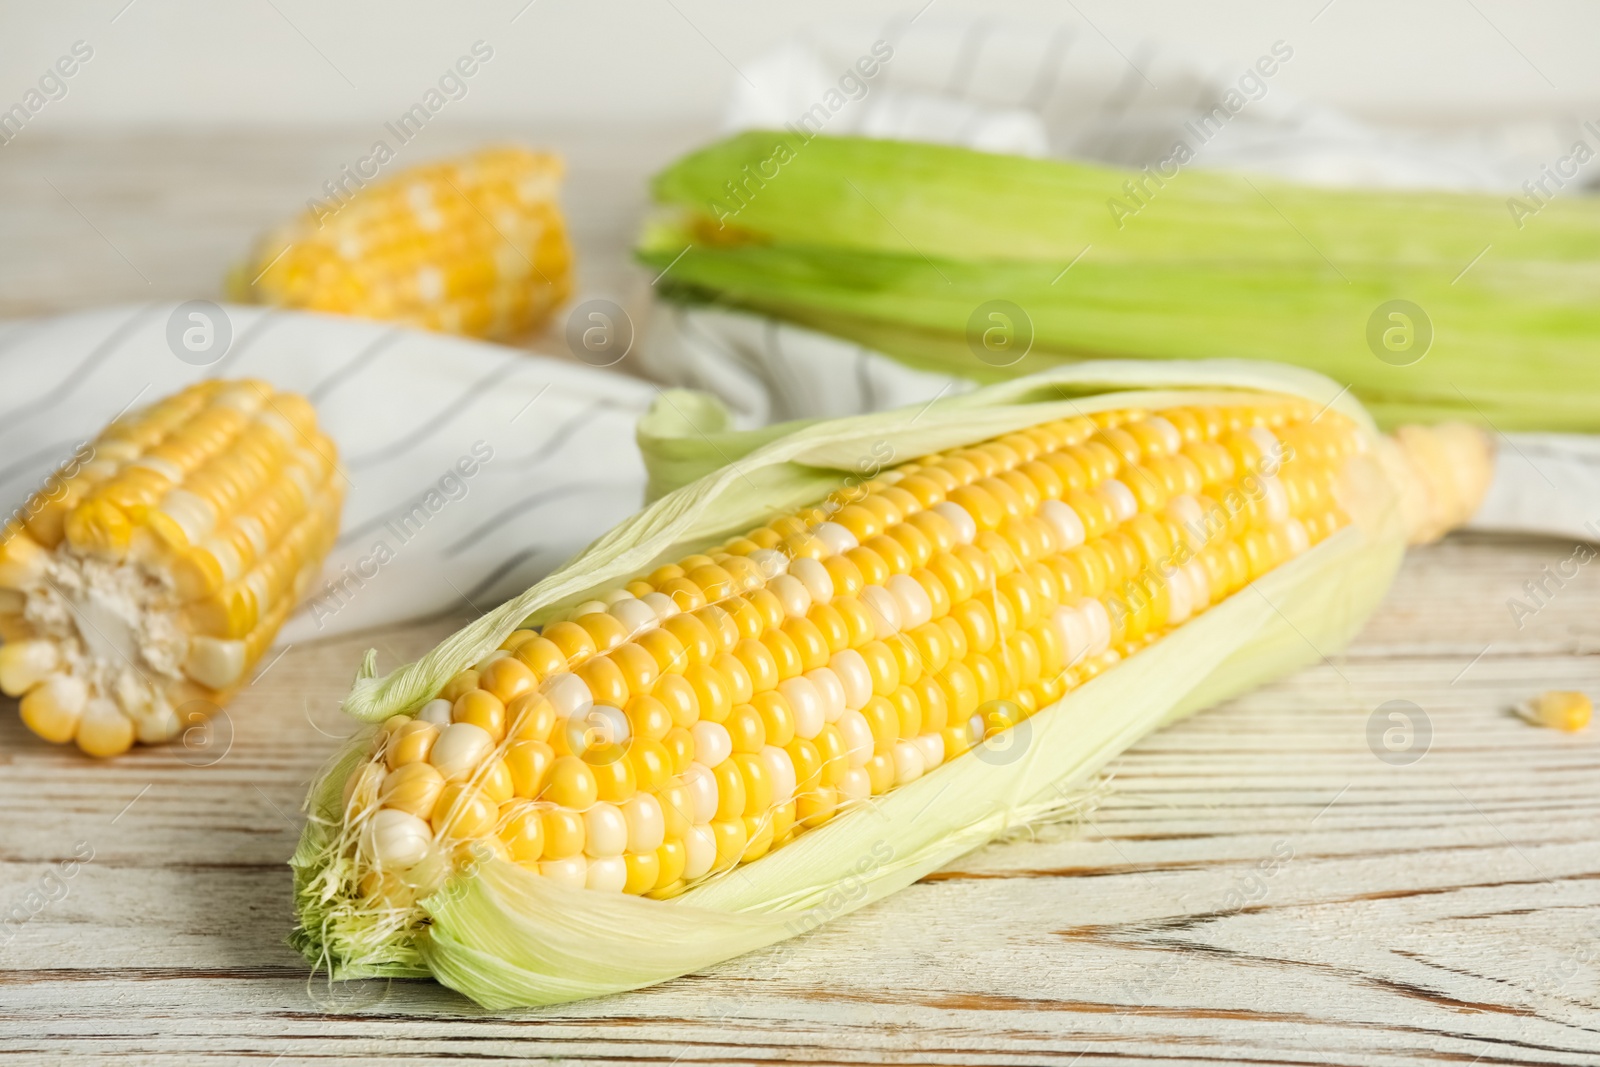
column 140, row 586
column 475, row 246
column 1431, row 306
column 745, row 699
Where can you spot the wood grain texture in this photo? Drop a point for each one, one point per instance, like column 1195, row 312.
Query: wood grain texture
column 1254, row 885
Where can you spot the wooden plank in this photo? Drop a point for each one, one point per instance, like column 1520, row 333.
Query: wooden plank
column 1254, row 885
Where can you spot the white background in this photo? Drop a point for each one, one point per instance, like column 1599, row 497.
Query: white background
column 294, row 62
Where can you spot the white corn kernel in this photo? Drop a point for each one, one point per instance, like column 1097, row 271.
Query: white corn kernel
column 1123, row 503
column 647, row 826
column 572, row 871
column 607, row 875
column 567, row 693
column 771, row 561
column 966, row 528
column 496, row 655
column 661, row 604
column 1299, row 540
column 915, row 607
column 460, row 748
column 780, row 770
column 1065, row 522
column 908, row 762
column 700, row 852
column 712, row 744
column 1073, row 629
column 857, row 737
column 805, row 703
column 829, row 689
column 853, row 675
column 834, row 538
column 24, row 664
column 1171, row 439
column 854, row 784
column 815, row 577
column 436, row 712
column 1276, row 498
column 394, row 840
column 605, row 830
column 635, row 616
column 702, row 791
column 792, row 594
column 884, row 609
column 1199, row 584
column 1099, row 624
column 215, row 662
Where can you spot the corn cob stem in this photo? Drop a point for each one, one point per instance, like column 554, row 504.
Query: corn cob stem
column 138, row 589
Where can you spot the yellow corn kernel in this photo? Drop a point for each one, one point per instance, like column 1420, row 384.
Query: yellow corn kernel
column 1558, row 709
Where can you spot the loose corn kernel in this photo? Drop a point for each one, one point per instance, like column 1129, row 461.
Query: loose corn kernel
column 1558, row 709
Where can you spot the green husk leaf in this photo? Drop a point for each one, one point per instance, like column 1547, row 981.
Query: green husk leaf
column 895, row 245
column 506, row 938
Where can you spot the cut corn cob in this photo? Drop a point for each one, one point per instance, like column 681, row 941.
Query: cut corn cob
column 473, row 246
column 722, row 709
column 140, row 588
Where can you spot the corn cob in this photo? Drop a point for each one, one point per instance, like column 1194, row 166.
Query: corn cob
column 721, row 710
column 899, row 246
column 473, row 246
column 139, row 587
column 720, row 706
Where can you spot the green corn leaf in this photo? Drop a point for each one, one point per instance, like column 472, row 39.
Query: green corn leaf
column 899, row 246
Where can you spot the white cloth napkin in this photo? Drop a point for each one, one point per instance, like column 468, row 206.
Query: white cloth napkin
column 405, row 408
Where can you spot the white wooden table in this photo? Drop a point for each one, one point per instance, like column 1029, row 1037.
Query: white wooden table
column 1255, row 885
